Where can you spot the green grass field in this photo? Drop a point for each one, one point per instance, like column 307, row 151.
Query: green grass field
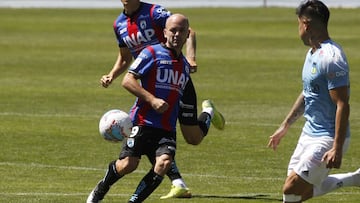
column 249, row 63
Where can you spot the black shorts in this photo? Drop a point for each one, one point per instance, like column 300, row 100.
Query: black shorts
column 149, row 141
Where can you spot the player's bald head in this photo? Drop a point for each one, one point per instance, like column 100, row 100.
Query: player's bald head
column 176, row 31
column 177, row 19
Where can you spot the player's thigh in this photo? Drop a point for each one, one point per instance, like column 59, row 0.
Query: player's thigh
column 310, row 167
column 127, row 165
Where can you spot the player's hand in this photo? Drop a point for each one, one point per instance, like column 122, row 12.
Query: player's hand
column 276, row 137
column 193, row 66
column 159, row 105
column 332, row 158
column 193, row 69
column 106, row 80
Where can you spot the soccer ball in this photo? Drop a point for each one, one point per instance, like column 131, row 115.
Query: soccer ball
column 115, row 125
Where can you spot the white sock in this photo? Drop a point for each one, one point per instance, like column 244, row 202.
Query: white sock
column 209, row 110
column 179, row 182
column 335, row 181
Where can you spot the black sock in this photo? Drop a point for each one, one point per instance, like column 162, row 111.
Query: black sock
column 111, row 175
column 173, row 173
column 146, row 186
column 204, row 121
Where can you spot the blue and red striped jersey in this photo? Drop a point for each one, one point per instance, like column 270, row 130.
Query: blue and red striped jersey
column 143, row 28
column 165, row 76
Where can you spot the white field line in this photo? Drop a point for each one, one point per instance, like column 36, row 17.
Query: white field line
column 37, row 165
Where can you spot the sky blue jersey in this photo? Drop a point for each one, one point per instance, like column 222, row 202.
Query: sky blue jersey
column 323, row 70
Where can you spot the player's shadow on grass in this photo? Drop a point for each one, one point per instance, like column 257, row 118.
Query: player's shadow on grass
column 245, row 197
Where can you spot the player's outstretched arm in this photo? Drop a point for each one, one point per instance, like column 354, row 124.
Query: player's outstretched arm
column 191, row 50
column 122, row 63
column 295, row 113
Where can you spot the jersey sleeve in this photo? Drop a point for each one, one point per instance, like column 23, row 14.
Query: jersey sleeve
column 160, row 15
column 337, row 71
column 142, row 64
column 117, row 28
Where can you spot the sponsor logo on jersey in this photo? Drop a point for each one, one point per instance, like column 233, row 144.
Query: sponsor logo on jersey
column 186, row 106
column 340, row 73
column 165, row 62
column 172, row 77
column 163, row 12
column 139, row 38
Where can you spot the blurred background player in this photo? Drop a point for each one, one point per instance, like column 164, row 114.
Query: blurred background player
column 324, row 102
column 156, row 111
column 139, row 25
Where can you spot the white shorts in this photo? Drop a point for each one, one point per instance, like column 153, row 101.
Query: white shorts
column 306, row 159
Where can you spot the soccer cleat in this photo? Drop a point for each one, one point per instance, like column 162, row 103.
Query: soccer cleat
column 218, row 119
column 97, row 194
column 177, row 192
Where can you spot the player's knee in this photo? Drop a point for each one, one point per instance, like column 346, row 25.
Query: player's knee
column 193, row 140
column 162, row 165
column 165, row 162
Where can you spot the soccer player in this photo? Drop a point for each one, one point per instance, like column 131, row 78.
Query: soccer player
column 165, row 81
column 324, row 102
column 139, row 25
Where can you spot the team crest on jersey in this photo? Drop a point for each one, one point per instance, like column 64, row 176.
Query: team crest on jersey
column 313, row 70
column 143, row 24
column 130, row 142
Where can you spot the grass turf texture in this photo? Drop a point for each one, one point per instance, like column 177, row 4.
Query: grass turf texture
column 249, row 63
